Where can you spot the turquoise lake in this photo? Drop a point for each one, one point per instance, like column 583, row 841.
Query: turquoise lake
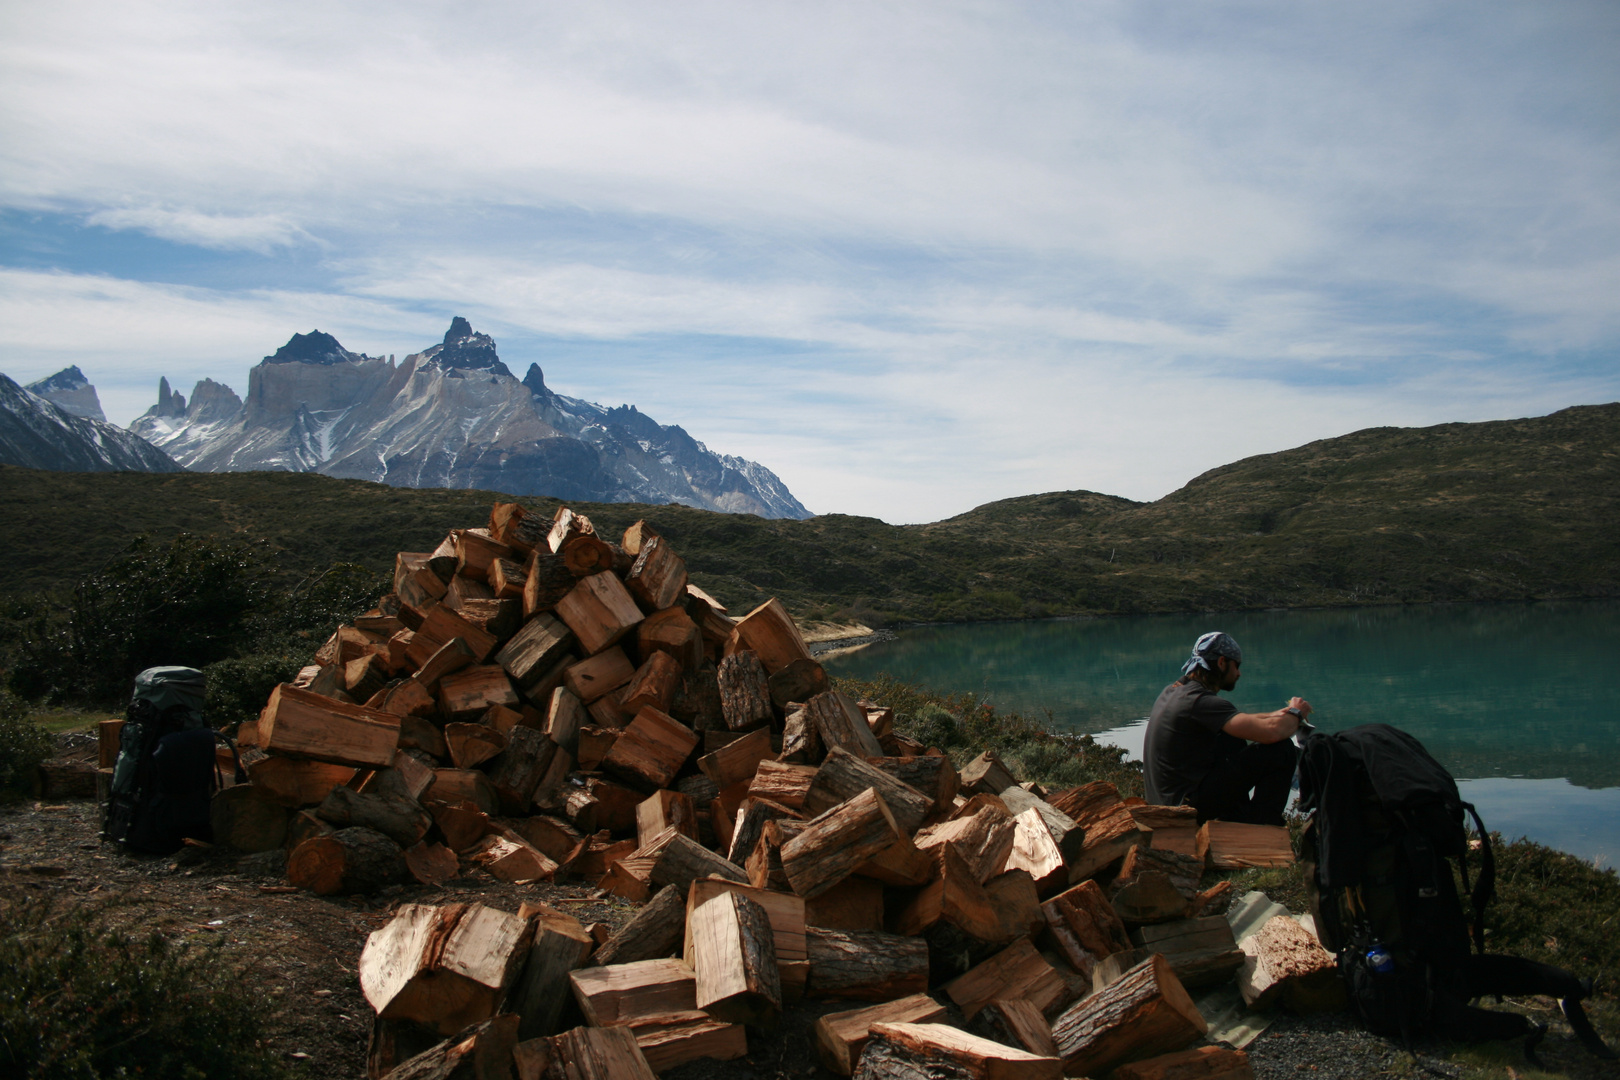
column 1519, row 701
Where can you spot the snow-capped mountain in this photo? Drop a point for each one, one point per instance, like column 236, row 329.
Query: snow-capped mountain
column 72, row 392
column 450, row 416
column 36, row 433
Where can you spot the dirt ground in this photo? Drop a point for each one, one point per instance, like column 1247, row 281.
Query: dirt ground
column 299, row 952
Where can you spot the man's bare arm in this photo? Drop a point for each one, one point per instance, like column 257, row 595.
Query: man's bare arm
column 1272, row 727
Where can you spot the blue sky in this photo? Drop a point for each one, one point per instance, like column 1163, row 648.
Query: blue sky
column 912, row 257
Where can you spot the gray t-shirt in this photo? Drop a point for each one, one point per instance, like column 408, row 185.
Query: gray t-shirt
column 1185, row 741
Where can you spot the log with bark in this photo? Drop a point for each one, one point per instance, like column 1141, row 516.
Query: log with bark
column 440, row 626
column 1084, row 926
column 1016, row 971
column 511, row 858
column 984, row 839
column 733, row 954
column 1175, row 828
column 535, row 650
column 1016, row 1022
column 294, row 782
column 671, row 1039
column 600, row 611
column 1155, row 885
column 781, row 783
column 1145, row 1013
column 401, row 820
column 987, row 775
column 654, row 683
column 831, row 846
column 769, row 631
column 745, row 698
column 1202, row 951
column 843, row 776
column 651, row 750
column 671, row 631
column 678, row 860
column 841, row 1036
column 1110, row 830
column 587, row 1053
column 841, row 722
column 799, row 681
column 517, row 772
column 935, row 777
column 865, row 965
column 801, row 741
column 347, row 862
column 656, row 931
column 483, row 1052
column 540, row 993
column 599, row 675
column 299, row 723
column 750, row 826
column 546, row 580
column 1199, row 1063
column 657, row 579
column 904, row 1051
column 565, row 714
column 620, row 993
column 786, row 914
column 738, row 760
column 665, row 810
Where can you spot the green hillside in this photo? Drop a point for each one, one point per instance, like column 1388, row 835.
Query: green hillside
column 1505, row 510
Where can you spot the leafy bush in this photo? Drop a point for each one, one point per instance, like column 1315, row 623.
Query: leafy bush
column 82, row 1002
column 238, row 688
column 22, row 744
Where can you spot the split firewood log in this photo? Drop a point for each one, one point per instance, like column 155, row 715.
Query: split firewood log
column 1085, row 927
column 1145, row 1013
column 587, row 1053
column 769, row 631
column 1016, row 971
column 865, row 965
column 745, row 694
column 446, row 967
column 655, row 932
column 843, row 776
column 559, row 946
column 1016, row 1022
column 733, row 954
column 841, row 1036
column 1202, row 951
column 483, row 1052
column 1199, row 1063
column 831, row 846
column 401, row 820
column 899, row 1051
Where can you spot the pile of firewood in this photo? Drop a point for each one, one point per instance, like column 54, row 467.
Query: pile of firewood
column 547, row 705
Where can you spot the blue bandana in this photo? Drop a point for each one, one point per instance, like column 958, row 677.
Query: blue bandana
column 1208, row 647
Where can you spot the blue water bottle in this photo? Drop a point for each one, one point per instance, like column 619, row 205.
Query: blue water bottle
column 1379, row 960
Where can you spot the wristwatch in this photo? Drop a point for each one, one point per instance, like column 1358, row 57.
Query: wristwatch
column 1294, row 711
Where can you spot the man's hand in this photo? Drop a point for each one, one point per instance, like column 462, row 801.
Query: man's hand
column 1302, row 705
column 1269, row 727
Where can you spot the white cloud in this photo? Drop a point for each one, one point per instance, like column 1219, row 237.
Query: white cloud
column 261, row 233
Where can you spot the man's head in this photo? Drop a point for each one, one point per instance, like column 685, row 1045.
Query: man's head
column 1215, row 660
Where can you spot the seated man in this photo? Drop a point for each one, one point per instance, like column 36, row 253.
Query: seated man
column 1201, row 751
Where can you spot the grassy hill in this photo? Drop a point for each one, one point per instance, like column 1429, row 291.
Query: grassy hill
column 1505, row 510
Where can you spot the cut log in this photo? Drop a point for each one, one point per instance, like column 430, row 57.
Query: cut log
column 1084, row 926
column 476, row 552
column 841, row 1036
column 1145, row 1013
column 513, row 525
column 656, row 931
column 1066, row 832
column 615, row 805
column 856, row 903
column 293, row 782
column 560, row 945
column 483, row 1052
column 629, row 878
column 1034, row 851
column 935, row 777
column 441, row 626
column 785, row 913
column 843, row 776
column 587, row 554
column 750, row 826
column 723, row 811
column 764, row 866
column 553, row 787
column 801, row 741
column 461, row 823
column 903, row 1051
column 831, row 846
column 517, row 772
column 733, row 954
column 1199, row 1063
column 431, row 864
column 464, row 785
column 900, row 864
column 665, row 810
column 446, row 967
column 244, row 819
column 745, row 694
column 413, row 576
column 534, row 650
column 365, row 675
column 983, row 839
column 1016, row 971
column 471, row 745
column 298, row 723
column 606, row 711
column 783, row 784
column 546, row 580
column 565, row 713
column 1017, row 904
column 657, row 579
column 347, row 862
column 442, row 560
column 1155, row 886
column 865, row 965
column 409, row 700
column 303, row 825
column 673, row 1039
column 1110, row 830
column 620, row 993
column 447, row 659
column 954, row 897
column 511, row 858
column 587, row 1053
column 840, row 722
column 799, row 681
column 738, row 760
column 679, row 860
column 652, row 749
column 401, row 820
column 1283, row 960
column 593, row 744
column 671, row 631
column 470, row 692
column 653, row 684
column 1175, row 828
column 599, row 611
column 1230, row 845
column 1202, row 951
column 987, row 774
column 1017, row 1022
column 769, row 631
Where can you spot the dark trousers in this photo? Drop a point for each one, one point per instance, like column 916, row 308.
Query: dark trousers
column 1265, row 769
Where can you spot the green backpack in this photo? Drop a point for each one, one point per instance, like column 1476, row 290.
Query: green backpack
column 161, row 783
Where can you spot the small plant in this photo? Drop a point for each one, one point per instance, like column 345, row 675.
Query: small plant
column 23, row 744
column 83, row 1002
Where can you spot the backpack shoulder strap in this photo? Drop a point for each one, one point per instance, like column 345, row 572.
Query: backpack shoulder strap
column 1485, row 886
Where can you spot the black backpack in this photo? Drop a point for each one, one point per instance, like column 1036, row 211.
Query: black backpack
column 166, row 773
column 1385, row 828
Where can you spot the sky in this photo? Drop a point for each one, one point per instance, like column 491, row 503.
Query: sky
column 912, row 257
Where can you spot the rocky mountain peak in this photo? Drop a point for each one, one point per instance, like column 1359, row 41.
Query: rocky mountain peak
column 466, row 350
column 311, row 348
column 536, row 382
column 68, row 389
column 169, row 403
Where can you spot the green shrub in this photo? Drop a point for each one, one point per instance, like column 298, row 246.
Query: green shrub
column 23, row 745
column 82, row 1002
column 238, row 688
